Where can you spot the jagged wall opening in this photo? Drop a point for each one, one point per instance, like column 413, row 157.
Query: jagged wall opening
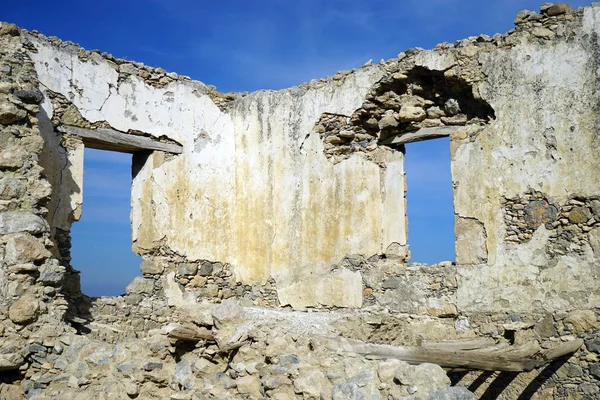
column 422, row 98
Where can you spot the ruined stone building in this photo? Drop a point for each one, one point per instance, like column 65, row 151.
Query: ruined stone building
column 273, row 225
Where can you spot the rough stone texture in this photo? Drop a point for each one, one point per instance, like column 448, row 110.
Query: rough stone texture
column 452, row 393
column 24, row 310
column 140, row 285
column 149, row 267
column 548, row 144
column 14, row 222
column 24, row 248
column 297, row 197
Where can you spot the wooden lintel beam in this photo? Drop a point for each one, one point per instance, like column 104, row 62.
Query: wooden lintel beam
column 109, row 139
column 421, row 134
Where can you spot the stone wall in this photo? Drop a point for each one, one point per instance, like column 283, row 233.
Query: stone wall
column 38, row 289
column 252, row 189
column 282, row 223
column 526, row 186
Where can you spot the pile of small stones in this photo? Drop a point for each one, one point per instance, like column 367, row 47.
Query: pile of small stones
column 524, row 214
column 264, row 364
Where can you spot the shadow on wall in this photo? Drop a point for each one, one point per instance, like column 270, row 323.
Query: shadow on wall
column 101, row 245
column 430, row 207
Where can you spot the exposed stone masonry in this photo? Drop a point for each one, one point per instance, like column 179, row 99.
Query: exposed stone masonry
column 34, row 301
column 57, row 343
column 572, row 225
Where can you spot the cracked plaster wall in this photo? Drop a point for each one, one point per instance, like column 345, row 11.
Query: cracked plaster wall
column 535, row 87
column 253, row 187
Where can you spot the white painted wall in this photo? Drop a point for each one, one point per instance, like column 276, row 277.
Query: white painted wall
column 253, row 187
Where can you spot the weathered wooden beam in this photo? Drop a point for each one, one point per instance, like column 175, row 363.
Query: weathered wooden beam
column 109, row 139
column 190, row 333
column 421, row 134
column 561, row 350
column 515, row 358
column 453, row 345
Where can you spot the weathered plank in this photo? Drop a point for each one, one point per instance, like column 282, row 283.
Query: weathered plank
column 421, row 134
column 190, row 333
column 109, row 139
column 517, row 359
column 453, row 345
column 561, row 350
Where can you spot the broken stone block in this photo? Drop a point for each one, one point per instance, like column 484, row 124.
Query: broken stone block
column 11, row 361
column 52, row 273
column 522, row 16
column 21, row 221
column 558, row 9
column 581, row 320
column 9, row 29
column 593, row 344
column 412, row 114
column 430, row 123
column 388, row 121
column 452, row 393
column 425, row 378
column 149, row 267
column 140, row 285
column 579, row 215
column 24, row 310
column 396, row 251
column 23, row 248
column 346, row 134
column 435, row 112
column 127, row 68
column 10, row 113
column 310, row 382
column 249, row 384
column 187, row 268
column 459, row 119
column 206, row 269
column 545, row 327
column 543, row 33
column 29, row 96
column 11, row 188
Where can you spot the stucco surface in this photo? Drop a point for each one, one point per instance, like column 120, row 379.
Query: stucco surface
column 545, row 138
column 253, row 187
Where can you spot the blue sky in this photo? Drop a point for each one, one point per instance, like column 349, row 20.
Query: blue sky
column 242, row 45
